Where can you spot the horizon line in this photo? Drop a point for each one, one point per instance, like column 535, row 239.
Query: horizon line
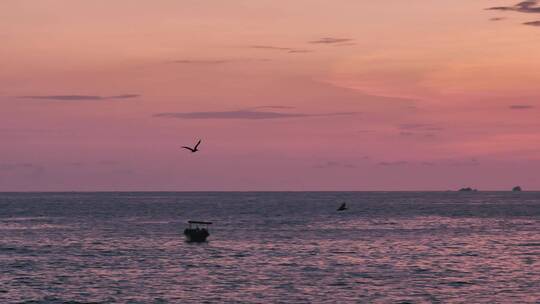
column 251, row 191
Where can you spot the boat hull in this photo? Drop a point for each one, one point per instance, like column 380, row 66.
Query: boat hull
column 196, row 235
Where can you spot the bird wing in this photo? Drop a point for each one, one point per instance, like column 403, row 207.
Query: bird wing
column 190, row 149
column 197, row 145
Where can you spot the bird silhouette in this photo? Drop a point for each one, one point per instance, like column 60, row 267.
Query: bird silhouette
column 194, row 149
column 342, row 207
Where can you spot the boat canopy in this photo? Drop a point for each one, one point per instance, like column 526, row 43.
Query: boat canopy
column 199, row 222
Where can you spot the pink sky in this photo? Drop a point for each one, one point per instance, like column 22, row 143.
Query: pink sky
column 286, row 95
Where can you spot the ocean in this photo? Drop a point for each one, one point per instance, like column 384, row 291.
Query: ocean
column 271, row 247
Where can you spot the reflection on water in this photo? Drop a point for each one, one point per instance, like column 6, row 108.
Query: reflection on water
column 271, row 247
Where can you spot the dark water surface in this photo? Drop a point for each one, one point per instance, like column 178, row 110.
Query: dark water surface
column 271, row 248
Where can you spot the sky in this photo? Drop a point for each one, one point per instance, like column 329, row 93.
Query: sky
column 286, row 95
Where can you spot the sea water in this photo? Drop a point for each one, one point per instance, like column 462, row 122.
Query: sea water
column 388, row 247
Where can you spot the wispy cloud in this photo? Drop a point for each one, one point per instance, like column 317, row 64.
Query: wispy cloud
column 528, row 6
column 300, row 51
column 532, row 23
column 244, row 114
column 269, row 47
column 416, row 130
column 25, row 168
column 331, row 40
column 464, row 163
column 13, row 166
column 406, row 133
column 345, row 44
column 427, row 163
column 335, row 164
column 278, row 48
column 79, row 97
column 393, row 163
column 272, row 107
column 521, row 107
column 201, row 61
column 420, row 127
column 33, row 131
column 215, row 61
column 108, row 163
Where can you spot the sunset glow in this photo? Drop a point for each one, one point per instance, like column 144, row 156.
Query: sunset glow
column 293, row 95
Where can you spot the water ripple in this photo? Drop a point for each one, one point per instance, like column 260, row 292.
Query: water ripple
column 270, row 248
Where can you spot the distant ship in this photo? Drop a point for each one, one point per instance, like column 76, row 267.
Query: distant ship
column 197, row 231
column 517, row 189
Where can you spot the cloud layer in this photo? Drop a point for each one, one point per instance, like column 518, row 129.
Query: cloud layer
column 201, row 61
column 331, row 40
column 25, row 168
column 243, row 114
column 79, row 97
column 420, row 127
column 335, row 164
column 215, row 61
column 532, row 23
column 528, row 6
column 278, row 48
column 521, row 107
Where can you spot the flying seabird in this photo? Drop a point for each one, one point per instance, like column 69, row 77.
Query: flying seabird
column 342, row 207
column 194, row 149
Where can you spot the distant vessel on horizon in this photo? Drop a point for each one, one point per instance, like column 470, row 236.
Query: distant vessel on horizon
column 517, row 189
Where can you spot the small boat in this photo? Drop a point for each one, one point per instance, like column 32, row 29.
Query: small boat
column 342, row 207
column 197, row 231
